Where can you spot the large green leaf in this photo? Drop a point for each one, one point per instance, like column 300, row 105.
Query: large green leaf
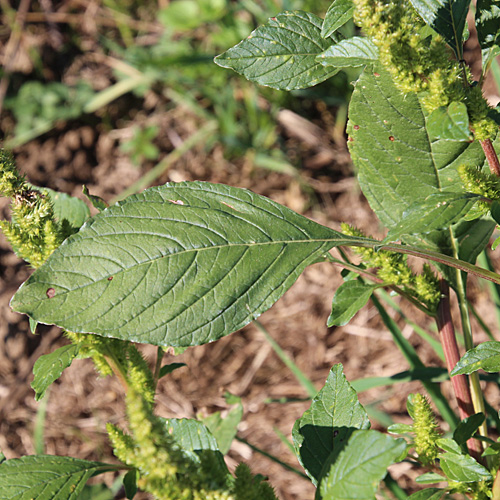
column 463, row 468
column 446, row 17
column 351, row 52
column 47, row 477
column 332, row 417
column 399, row 165
column 282, row 53
column 182, row 264
column 389, row 142
column 360, row 466
column 436, row 211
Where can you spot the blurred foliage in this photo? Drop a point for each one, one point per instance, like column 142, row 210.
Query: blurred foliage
column 144, row 49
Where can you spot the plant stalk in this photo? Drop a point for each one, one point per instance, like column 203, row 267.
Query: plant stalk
column 491, row 156
column 452, row 356
column 475, row 388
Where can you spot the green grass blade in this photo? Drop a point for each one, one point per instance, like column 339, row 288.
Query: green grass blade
column 304, row 381
column 414, row 361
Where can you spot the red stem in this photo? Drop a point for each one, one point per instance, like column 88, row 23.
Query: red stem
column 491, row 156
column 452, row 356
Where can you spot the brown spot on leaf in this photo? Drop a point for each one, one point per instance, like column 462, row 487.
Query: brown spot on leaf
column 177, row 202
column 391, row 138
column 356, row 127
column 110, row 278
column 50, row 293
column 376, row 74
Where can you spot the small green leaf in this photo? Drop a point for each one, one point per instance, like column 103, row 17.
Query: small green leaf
column 495, row 244
column 360, row 466
column 33, row 325
column 74, row 210
column 48, row 368
column 349, row 298
column 191, row 435
column 430, row 478
column 428, row 494
column 45, row 477
column 449, row 123
column 463, row 468
column 488, row 23
column 224, row 428
column 97, row 202
column 446, row 17
column 166, row 369
column 282, row 54
column 485, row 356
column 339, row 12
column 130, row 483
column 492, row 450
column 436, row 211
column 400, row 429
column 495, row 211
column 449, row 445
column 349, row 53
column 467, row 428
column 332, row 417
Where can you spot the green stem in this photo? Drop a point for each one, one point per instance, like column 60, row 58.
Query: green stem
column 423, row 254
column 373, row 277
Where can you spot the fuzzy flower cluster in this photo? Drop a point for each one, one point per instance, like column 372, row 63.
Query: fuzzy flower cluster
column 486, row 184
column 33, row 231
column 425, row 428
column 420, row 63
column 168, row 472
column 393, row 269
